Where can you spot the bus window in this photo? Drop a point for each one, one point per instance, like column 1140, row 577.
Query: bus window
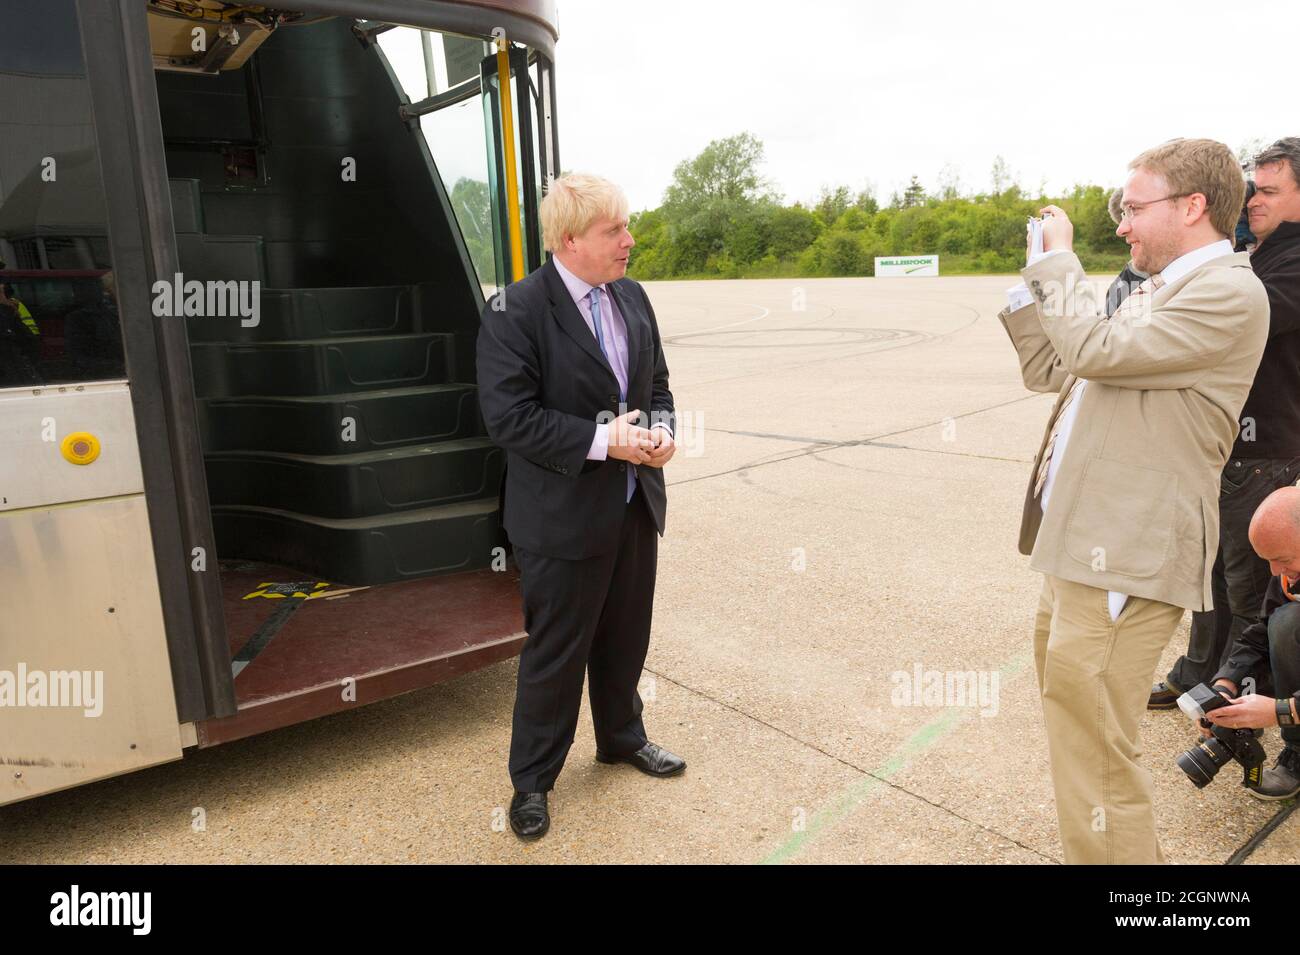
column 58, row 307
column 429, row 64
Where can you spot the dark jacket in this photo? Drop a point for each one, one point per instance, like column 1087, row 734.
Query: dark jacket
column 1249, row 652
column 1123, row 286
column 543, row 384
column 1271, row 415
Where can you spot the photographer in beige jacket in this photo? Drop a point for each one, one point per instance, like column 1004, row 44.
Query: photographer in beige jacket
column 1121, row 513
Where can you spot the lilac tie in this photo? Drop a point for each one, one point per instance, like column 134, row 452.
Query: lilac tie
column 598, row 321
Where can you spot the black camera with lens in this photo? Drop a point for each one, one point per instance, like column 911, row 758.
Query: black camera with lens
column 1203, row 761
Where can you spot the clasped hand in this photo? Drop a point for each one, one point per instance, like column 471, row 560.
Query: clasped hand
column 630, row 442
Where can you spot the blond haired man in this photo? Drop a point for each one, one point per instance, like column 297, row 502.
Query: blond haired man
column 1121, row 513
column 573, row 385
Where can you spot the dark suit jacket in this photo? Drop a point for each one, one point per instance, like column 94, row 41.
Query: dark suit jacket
column 543, row 384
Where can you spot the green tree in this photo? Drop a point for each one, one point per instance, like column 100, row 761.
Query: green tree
column 473, row 208
column 1088, row 209
column 853, row 220
column 649, row 258
column 792, row 229
column 718, row 208
column 842, row 253
column 831, row 203
column 747, row 233
column 914, row 194
column 719, row 218
column 726, row 169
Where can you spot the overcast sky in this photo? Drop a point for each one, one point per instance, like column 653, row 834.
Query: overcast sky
column 873, row 92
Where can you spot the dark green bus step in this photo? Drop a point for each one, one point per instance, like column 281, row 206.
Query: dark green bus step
column 367, row 550
column 358, row 485
column 341, row 424
column 295, row 314
column 322, row 365
column 290, row 314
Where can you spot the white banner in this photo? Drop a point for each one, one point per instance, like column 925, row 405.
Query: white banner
column 892, row 266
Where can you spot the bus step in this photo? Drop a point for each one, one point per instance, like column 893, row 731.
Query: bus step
column 323, row 365
column 365, row 550
column 365, row 484
column 341, row 423
column 305, row 313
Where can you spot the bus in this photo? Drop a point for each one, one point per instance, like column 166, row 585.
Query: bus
column 244, row 251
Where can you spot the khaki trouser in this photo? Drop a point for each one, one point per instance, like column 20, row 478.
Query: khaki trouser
column 1095, row 677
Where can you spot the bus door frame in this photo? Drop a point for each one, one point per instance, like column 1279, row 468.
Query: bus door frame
column 142, row 239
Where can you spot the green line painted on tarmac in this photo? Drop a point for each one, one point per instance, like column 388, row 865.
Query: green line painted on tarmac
column 852, row 796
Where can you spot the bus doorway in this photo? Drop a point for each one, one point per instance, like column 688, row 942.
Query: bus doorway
column 336, row 214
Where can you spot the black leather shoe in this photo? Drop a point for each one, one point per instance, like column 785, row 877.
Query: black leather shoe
column 528, row 815
column 1164, row 696
column 650, row 758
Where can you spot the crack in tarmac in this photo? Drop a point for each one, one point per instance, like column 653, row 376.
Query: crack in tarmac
column 816, row 447
column 832, row 445
column 853, row 766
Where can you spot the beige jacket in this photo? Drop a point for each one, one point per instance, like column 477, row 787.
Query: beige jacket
column 1135, row 500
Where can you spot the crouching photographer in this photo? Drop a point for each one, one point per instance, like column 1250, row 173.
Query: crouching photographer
column 1272, row 640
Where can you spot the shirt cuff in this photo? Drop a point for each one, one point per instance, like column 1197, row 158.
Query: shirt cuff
column 1230, row 671
column 660, row 424
column 1035, row 259
column 599, row 450
column 1018, row 297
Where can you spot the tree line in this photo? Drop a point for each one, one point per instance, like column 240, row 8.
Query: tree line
column 720, row 219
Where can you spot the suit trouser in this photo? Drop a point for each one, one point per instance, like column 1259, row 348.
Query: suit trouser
column 1094, row 675
column 593, row 615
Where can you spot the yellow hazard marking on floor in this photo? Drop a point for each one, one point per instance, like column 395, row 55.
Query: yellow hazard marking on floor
column 274, row 591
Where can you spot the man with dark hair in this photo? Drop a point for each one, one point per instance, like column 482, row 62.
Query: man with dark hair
column 1266, row 455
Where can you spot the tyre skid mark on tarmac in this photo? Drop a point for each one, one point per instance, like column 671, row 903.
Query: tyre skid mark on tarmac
column 671, row 340
column 852, row 796
column 921, row 339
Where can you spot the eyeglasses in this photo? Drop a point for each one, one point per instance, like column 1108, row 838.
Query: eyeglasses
column 1130, row 209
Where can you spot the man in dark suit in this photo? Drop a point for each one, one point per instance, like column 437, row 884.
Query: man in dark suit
column 569, row 364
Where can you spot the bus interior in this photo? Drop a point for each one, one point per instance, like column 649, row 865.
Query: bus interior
column 353, row 170
column 355, row 495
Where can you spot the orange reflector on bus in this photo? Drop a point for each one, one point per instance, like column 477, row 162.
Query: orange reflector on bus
column 80, row 447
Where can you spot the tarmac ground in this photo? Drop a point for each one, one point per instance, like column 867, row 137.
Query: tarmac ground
column 842, row 522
